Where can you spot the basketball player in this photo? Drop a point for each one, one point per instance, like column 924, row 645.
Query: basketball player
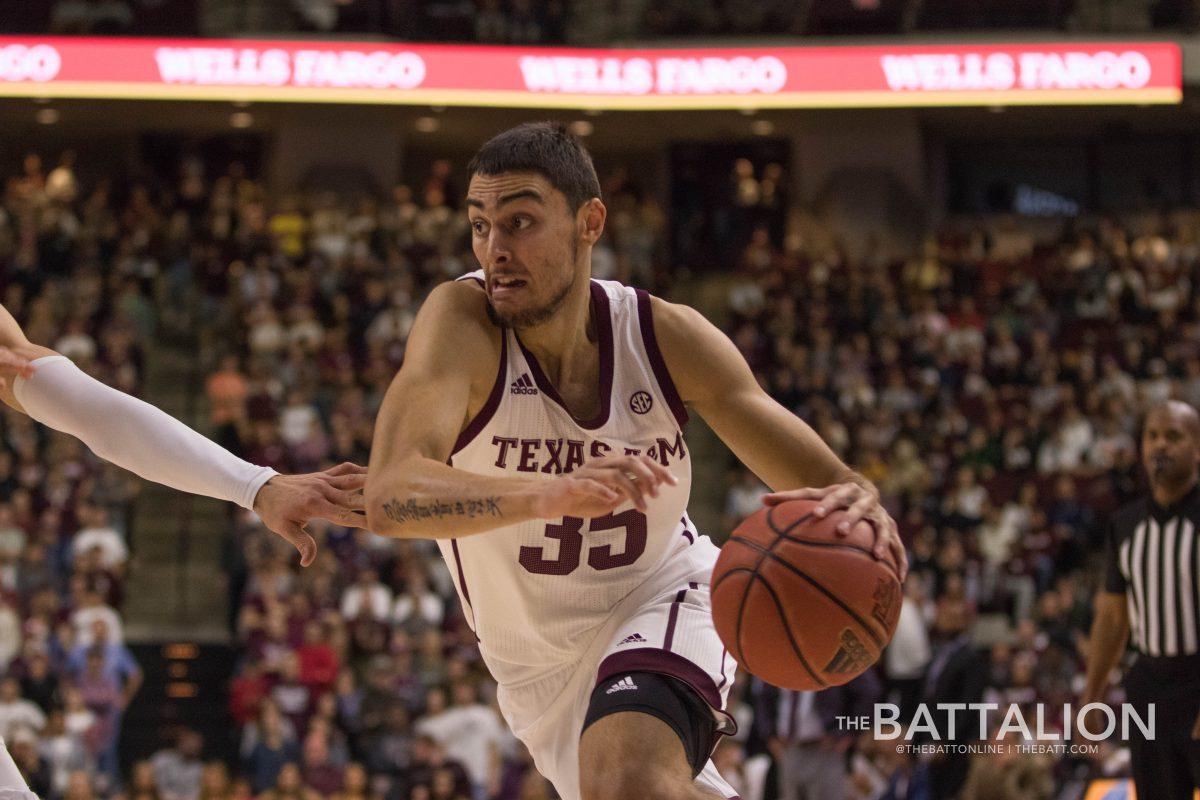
column 535, row 430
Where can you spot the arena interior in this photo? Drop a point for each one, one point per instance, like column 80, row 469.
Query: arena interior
column 960, row 239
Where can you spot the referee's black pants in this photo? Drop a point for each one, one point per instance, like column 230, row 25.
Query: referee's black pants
column 1167, row 767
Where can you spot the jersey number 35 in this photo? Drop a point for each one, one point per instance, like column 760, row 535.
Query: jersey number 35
column 570, row 544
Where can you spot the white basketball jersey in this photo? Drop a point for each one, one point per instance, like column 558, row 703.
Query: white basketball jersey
column 537, row 592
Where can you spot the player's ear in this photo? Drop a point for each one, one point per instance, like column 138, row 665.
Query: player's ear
column 592, row 216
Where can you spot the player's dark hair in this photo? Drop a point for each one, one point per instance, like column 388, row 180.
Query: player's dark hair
column 548, row 149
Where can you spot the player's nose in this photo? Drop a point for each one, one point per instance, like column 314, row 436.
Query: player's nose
column 497, row 250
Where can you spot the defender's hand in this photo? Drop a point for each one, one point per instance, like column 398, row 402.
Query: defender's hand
column 600, row 485
column 287, row 502
column 860, row 504
column 13, row 366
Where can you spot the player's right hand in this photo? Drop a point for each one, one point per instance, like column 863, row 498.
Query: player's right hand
column 13, row 365
column 286, row 503
column 602, row 484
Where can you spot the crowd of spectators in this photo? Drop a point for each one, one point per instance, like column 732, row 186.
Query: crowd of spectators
column 990, row 385
column 75, row 276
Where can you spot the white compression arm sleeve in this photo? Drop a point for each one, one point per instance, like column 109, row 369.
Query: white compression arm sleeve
column 135, row 435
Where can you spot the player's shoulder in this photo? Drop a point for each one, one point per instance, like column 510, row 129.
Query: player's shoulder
column 674, row 321
column 461, row 307
column 454, row 317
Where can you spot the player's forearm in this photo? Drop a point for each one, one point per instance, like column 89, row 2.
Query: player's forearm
column 1110, row 632
column 135, row 435
column 777, row 446
column 420, row 498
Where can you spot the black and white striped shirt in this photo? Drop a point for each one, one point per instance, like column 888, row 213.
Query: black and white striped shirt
column 1154, row 559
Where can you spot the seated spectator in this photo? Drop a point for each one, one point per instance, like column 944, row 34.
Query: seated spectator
column 418, row 607
column 63, row 751
column 289, row 785
column 178, row 770
column 273, row 747
column 293, row 699
column 23, row 747
column 142, row 784
column 98, row 533
column 369, row 594
column 214, row 783
column 470, row 732
column 38, row 682
column 96, row 622
column 355, row 784
column 319, row 772
column 78, row 718
column 429, row 758
column 318, row 661
column 16, row 712
column 11, row 637
column 12, row 537
column 247, row 692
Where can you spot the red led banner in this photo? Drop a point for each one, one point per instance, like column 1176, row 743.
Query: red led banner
column 770, row 77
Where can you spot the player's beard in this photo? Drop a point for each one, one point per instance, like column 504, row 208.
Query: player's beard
column 533, row 317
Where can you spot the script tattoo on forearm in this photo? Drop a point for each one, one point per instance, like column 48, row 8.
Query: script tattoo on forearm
column 411, row 511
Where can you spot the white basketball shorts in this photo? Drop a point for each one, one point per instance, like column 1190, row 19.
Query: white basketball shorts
column 664, row 628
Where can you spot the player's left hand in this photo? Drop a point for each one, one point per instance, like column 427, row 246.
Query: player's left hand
column 286, row 503
column 859, row 504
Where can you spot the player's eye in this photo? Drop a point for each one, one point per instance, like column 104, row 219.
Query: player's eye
column 479, row 227
column 521, row 222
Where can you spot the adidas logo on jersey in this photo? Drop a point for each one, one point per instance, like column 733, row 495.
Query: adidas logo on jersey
column 522, row 385
column 624, row 685
column 632, row 638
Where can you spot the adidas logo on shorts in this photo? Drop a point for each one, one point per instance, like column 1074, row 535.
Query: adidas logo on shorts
column 632, row 638
column 522, row 385
column 624, row 685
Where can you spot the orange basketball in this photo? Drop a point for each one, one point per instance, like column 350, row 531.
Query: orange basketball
column 799, row 605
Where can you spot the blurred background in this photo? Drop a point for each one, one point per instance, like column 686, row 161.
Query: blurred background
column 971, row 297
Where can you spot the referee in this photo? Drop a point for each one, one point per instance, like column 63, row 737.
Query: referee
column 1151, row 594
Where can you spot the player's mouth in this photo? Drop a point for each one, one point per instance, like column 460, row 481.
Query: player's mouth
column 506, row 287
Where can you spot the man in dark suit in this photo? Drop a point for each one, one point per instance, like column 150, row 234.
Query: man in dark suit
column 957, row 674
column 802, row 732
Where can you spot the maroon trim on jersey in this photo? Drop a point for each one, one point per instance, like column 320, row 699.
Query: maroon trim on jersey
column 491, row 404
column 604, row 334
column 662, row 662
column 670, row 637
column 475, row 278
column 462, row 579
column 723, row 678
column 661, row 373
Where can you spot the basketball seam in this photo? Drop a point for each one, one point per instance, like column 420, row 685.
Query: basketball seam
column 767, row 553
column 795, row 523
column 741, row 654
column 865, row 551
column 787, row 628
column 741, row 613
